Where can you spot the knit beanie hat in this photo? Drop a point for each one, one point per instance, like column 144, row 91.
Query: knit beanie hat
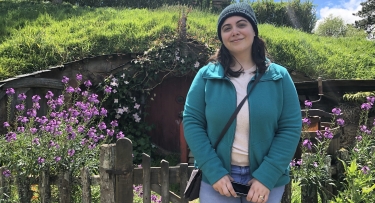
column 237, row 9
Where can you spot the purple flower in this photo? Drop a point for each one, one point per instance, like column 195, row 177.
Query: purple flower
column 52, row 104
column 77, row 90
column 57, row 158
column 103, row 112
column 91, row 146
column 69, row 128
column 20, row 107
column 315, row 164
column 340, row 122
column 85, row 93
column 358, row 138
column 93, row 98
column 336, row 111
column 306, row 121
column 308, row 104
column 36, row 105
column 365, row 169
column 71, row 152
column 33, row 130
column 366, row 106
column 6, row 173
column 107, row 89
column 10, row 91
column 83, row 141
column 92, row 132
column 70, row 89
column 6, row 124
column 120, row 135
column 60, row 100
column 71, row 136
column 78, row 77
column 114, row 123
column 21, row 129
column 110, row 132
column 370, row 99
column 23, row 119
column 292, row 163
column 299, row 162
column 65, row 80
column 31, row 113
column 41, row 160
column 87, row 83
column 51, row 144
column 102, row 126
column 307, row 143
column 364, row 129
column 80, row 129
column 11, row 136
column 328, row 134
column 36, row 141
column 49, row 95
column 35, row 98
column 319, row 134
column 22, row 96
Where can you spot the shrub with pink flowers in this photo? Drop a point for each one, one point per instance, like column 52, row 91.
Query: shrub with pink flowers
column 312, row 171
column 358, row 184
column 358, row 181
column 65, row 139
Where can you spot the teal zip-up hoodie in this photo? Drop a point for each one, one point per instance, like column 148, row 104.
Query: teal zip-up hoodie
column 275, row 124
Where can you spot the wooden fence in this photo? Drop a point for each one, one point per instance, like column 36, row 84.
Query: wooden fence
column 118, row 174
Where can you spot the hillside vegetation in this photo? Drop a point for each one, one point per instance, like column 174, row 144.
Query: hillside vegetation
column 34, row 36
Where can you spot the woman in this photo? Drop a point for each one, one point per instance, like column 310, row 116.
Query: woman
column 260, row 143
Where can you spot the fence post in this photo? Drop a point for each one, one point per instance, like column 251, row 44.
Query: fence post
column 164, row 175
column 146, row 167
column 328, row 187
column 86, row 185
column 4, row 185
column 65, row 186
column 287, row 196
column 44, row 187
column 107, row 180
column 183, row 181
column 343, row 156
column 124, row 171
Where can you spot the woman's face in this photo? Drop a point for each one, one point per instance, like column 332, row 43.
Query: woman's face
column 237, row 34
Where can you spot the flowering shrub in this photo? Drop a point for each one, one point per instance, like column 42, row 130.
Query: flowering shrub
column 359, row 180
column 311, row 170
column 65, row 139
column 131, row 87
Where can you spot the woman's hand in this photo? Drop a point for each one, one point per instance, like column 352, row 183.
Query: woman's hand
column 224, row 186
column 258, row 193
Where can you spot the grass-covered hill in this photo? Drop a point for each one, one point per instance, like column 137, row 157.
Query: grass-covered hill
column 34, row 36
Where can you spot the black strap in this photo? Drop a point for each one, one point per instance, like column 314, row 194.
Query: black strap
column 236, row 111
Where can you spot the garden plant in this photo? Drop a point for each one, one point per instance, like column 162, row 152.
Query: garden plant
column 63, row 141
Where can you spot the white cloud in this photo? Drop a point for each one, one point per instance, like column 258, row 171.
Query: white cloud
column 345, row 11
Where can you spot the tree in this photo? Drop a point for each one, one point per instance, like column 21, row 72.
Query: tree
column 332, row 26
column 368, row 16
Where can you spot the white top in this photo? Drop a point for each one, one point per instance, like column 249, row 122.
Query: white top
column 240, row 147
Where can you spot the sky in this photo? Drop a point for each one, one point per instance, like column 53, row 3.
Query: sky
column 338, row 8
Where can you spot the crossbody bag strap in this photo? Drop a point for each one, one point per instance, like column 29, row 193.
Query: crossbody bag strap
column 225, row 129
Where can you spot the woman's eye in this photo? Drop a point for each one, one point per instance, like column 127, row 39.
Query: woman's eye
column 241, row 25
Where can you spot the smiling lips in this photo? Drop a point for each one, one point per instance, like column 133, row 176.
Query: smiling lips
column 237, row 40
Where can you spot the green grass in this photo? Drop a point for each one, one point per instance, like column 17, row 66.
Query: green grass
column 34, row 36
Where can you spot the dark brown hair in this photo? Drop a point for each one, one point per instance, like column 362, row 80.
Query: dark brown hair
column 258, row 53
